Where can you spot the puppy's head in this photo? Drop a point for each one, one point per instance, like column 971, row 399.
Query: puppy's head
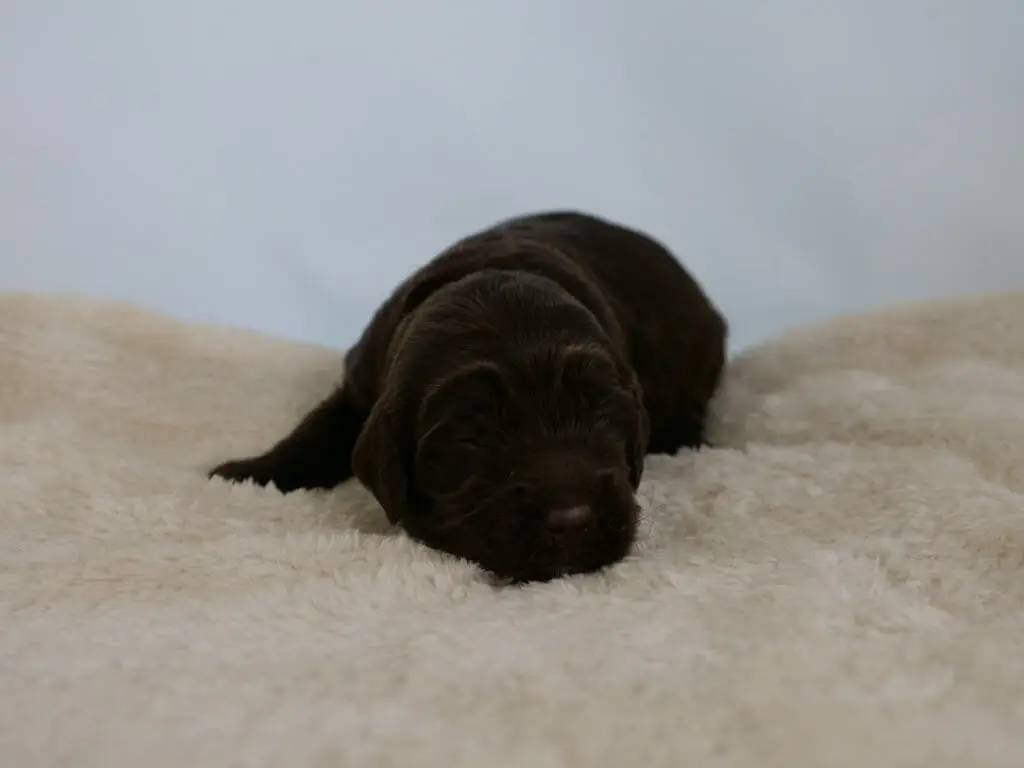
column 526, row 463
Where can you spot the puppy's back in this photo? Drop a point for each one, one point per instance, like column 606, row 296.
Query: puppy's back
column 645, row 282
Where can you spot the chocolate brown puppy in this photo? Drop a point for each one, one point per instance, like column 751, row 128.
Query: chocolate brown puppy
column 500, row 403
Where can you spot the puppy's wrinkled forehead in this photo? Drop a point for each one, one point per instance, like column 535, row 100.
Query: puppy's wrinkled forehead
column 494, row 315
column 527, row 381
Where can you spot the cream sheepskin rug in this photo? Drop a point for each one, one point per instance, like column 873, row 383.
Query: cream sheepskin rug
column 841, row 583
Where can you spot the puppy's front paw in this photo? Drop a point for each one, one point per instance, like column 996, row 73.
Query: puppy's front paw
column 241, row 470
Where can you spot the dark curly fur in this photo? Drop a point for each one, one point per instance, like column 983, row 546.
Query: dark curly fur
column 501, row 401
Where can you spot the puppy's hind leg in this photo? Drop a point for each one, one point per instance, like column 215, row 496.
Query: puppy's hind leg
column 317, row 454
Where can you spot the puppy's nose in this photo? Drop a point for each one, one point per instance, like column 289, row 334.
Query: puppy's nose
column 569, row 519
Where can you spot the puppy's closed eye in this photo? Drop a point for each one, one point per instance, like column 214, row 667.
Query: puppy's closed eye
column 448, row 456
column 461, row 426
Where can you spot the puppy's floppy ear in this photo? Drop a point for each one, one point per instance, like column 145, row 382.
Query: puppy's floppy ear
column 608, row 367
column 380, row 462
column 641, row 431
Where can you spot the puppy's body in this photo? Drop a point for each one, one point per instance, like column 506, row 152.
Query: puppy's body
column 519, row 376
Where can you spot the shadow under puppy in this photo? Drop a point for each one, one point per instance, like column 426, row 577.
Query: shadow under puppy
column 500, row 403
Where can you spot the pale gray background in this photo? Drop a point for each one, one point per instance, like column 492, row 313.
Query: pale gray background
column 281, row 165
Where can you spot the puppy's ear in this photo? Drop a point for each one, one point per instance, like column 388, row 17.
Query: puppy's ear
column 381, row 464
column 594, row 368
column 637, row 449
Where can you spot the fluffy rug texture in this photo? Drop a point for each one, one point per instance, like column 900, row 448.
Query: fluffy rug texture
column 839, row 583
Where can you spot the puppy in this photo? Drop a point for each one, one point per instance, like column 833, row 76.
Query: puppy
column 500, row 403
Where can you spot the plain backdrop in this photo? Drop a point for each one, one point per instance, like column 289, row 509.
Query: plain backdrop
column 282, row 166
